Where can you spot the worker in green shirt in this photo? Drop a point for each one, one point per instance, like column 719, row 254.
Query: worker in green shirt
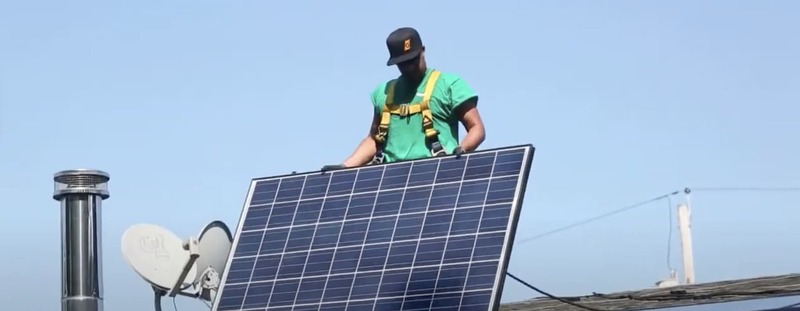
column 417, row 115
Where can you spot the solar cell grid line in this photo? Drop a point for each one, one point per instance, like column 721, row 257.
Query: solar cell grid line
column 364, row 241
column 351, row 186
column 464, row 288
column 274, row 197
column 338, row 276
column 429, row 299
column 469, row 268
column 394, row 229
column 319, row 215
column 430, row 234
column 452, row 217
column 366, row 236
column 416, row 252
column 272, row 290
column 336, row 247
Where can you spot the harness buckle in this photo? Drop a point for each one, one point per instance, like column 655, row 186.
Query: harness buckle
column 437, row 150
column 377, row 158
column 404, row 110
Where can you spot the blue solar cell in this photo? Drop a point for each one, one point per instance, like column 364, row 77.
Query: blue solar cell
column 422, row 173
column 315, row 186
column 396, row 176
column 334, row 209
column 369, row 179
column 307, row 212
column 480, row 166
column 444, row 197
column 430, row 234
column 361, row 205
column 264, row 193
column 388, row 203
column 289, row 189
column 341, row 183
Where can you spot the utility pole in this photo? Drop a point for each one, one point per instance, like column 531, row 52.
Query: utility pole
column 685, row 227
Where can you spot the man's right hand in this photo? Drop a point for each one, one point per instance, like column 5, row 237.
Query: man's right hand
column 332, row 167
column 458, row 151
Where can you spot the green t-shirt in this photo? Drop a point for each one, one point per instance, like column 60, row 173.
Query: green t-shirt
column 406, row 138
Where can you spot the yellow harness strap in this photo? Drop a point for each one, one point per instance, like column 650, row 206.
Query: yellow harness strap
column 403, row 110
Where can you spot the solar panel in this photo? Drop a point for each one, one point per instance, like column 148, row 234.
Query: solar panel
column 429, row 234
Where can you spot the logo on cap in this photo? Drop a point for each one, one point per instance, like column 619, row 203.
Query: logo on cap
column 407, row 45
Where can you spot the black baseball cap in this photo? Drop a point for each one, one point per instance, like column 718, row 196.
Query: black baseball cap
column 404, row 44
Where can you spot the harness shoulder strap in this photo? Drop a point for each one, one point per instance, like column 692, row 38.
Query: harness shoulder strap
column 386, row 114
column 427, row 116
column 430, row 85
column 423, row 107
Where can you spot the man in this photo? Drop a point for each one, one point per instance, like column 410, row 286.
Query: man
column 417, row 115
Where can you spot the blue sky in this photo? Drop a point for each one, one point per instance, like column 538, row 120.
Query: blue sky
column 183, row 102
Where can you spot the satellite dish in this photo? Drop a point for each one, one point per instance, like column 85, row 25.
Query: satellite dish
column 215, row 241
column 173, row 266
column 157, row 255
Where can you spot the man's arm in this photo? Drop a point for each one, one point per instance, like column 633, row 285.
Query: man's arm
column 471, row 119
column 366, row 149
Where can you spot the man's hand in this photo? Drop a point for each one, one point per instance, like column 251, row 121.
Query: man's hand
column 332, row 167
column 458, row 151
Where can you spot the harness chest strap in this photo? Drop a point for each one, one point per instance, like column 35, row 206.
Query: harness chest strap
column 403, row 110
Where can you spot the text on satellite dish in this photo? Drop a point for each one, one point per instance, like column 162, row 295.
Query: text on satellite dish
column 154, row 245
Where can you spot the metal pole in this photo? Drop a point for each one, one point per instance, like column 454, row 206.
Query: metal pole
column 81, row 193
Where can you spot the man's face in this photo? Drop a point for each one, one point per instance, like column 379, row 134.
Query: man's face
column 410, row 68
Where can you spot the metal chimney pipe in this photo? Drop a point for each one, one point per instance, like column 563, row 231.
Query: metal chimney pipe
column 81, row 193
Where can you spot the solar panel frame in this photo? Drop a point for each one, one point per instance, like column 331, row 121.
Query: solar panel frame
column 506, row 249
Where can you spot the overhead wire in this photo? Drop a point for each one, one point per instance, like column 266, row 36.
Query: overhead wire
column 595, row 218
column 654, row 199
column 746, row 189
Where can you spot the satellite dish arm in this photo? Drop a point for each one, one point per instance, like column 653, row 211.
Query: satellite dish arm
column 191, row 246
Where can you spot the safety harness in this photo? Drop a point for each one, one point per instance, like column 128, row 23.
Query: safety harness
column 404, row 110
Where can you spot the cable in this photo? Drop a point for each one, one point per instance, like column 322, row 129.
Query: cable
column 601, row 216
column 630, row 207
column 742, row 189
column 157, row 300
column 550, row 295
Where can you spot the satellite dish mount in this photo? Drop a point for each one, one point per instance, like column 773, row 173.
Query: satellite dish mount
column 173, row 266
